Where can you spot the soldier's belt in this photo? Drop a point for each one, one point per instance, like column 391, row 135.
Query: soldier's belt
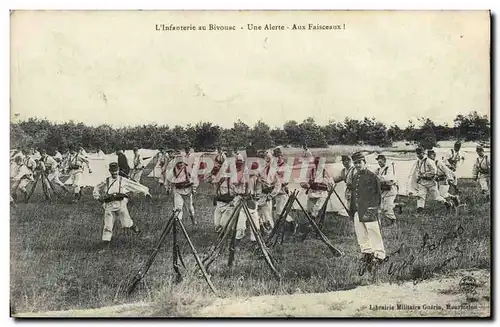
column 74, row 167
column 114, row 197
column 385, row 187
column 319, row 187
column 183, row 185
column 426, row 178
column 484, row 171
column 226, row 198
column 441, row 178
column 267, row 190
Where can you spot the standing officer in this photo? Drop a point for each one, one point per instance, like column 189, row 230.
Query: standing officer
column 481, row 170
column 423, row 181
column 112, row 193
column 388, row 187
column 365, row 200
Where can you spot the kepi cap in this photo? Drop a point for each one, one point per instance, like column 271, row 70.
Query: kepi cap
column 113, row 166
column 358, row 156
column 381, row 157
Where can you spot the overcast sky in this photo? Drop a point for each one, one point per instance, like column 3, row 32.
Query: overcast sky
column 115, row 68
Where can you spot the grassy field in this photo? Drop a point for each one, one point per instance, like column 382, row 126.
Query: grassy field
column 57, row 263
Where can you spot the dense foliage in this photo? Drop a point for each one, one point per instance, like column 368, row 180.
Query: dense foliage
column 206, row 136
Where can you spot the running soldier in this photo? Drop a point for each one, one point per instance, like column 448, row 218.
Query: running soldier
column 388, row 187
column 138, row 169
column 51, row 168
column 112, row 193
column 363, row 207
column 423, row 181
column 444, row 177
column 22, row 175
column 183, row 185
column 74, row 166
column 454, row 157
column 481, row 171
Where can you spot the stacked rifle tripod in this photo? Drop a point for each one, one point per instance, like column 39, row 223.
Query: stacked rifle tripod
column 47, row 186
column 227, row 238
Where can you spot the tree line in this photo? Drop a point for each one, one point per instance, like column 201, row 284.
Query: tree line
column 206, row 136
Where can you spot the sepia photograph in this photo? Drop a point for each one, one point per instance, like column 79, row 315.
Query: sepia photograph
column 250, row 164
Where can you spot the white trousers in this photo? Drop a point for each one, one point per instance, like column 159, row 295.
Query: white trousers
column 54, row 179
column 314, row 205
column 75, row 178
column 109, row 220
column 266, row 213
column 444, row 190
column 369, row 237
column 280, row 204
column 220, row 209
column 387, row 207
column 484, row 182
column 428, row 188
column 181, row 201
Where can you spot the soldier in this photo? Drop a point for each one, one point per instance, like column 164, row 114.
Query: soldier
column 423, row 181
column 346, row 176
column 454, row 157
column 444, row 177
column 306, row 153
column 183, row 184
column 243, row 189
column 261, row 189
column 219, row 160
column 316, row 187
column 58, row 157
column 85, row 155
column 481, row 170
column 112, row 192
column 363, row 207
column 21, row 175
column 51, row 168
column 100, row 154
column 388, row 187
column 224, row 195
column 138, row 166
column 74, row 166
column 280, row 187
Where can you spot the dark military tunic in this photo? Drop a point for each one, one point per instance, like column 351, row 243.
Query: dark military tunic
column 365, row 193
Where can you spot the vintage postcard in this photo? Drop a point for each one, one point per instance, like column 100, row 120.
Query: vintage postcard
column 250, row 164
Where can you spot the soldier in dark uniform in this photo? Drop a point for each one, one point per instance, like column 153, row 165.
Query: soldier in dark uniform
column 363, row 207
column 123, row 164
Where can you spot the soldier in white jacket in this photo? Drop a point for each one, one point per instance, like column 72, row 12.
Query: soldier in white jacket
column 388, row 187
column 74, row 166
column 444, row 177
column 183, row 185
column 481, row 170
column 21, row 175
column 138, row 167
column 51, row 168
column 113, row 193
column 423, row 181
column 316, row 187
